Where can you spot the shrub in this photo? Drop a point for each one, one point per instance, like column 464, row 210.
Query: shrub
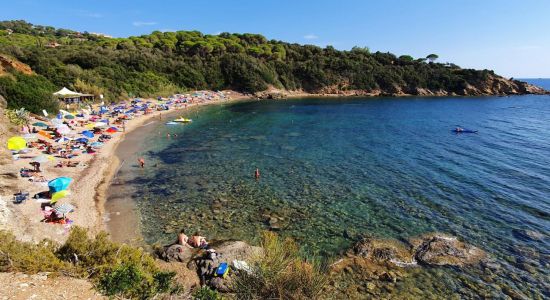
column 281, row 273
column 17, row 256
column 205, row 293
column 117, row 270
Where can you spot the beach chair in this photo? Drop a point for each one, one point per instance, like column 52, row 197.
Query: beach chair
column 20, row 197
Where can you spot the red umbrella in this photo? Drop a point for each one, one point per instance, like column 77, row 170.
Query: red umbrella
column 112, row 130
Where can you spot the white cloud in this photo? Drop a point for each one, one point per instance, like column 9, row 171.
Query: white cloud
column 310, row 37
column 94, row 15
column 141, row 23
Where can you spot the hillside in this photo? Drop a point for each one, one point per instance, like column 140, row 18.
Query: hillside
column 162, row 63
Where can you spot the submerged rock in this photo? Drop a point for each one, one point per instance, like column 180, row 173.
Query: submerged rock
column 444, row 250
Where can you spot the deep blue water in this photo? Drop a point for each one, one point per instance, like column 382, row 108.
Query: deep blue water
column 335, row 168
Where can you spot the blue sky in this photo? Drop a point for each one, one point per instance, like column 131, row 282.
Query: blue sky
column 510, row 37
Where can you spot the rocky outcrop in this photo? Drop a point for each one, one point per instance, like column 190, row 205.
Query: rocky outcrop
column 432, row 249
column 444, row 250
column 8, row 65
column 493, row 85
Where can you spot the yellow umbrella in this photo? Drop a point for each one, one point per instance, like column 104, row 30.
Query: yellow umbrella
column 17, row 143
column 89, row 126
column 58, row 195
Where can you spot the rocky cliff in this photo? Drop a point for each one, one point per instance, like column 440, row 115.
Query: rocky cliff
column 493, row 86
column 8, row 65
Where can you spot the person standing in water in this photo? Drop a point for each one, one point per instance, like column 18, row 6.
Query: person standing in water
column 141, row 162
column 257, row 174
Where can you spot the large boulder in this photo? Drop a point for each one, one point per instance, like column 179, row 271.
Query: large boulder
column 445, row 250
column 176, row 253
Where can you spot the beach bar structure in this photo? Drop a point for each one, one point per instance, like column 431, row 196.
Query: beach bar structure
column 70, row 97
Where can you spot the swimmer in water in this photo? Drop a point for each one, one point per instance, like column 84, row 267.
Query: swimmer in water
column 141, row 162
column 257, row 174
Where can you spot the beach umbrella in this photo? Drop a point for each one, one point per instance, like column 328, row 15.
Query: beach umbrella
column 40, row 124
column 62, row 139
column 69, row 116
column 58, row 195
column 29, row 136
column 100, row 124
column 112, row 130
column 44, row 134
column 43, row 158
column 63, row 129
column 82, row 140
column 89, row 126
column 97, row 144
column 17, row 143
column 63, row 209
column 59, row 184
column 88, row 133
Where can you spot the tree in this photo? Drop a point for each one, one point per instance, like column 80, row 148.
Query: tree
column 406, row 58
column 432, row 57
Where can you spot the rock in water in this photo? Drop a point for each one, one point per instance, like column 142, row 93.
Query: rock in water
column 446, row 251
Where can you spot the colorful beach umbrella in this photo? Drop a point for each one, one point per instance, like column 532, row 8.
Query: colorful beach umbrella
column 40, row 124
column 43, row 158
column 112, row 130
column 63, row 209
column 97, row 144
column 88, row 133
column 58, row 195
column 69, row 117
column 44, row 134
column 82, row 140
column 89, row 126
column 17, row 143
column 62, row 139
column 59, row 184
column 63, row 129
column 100, row 124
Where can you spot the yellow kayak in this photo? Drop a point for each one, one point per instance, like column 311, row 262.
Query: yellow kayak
column 183, row 120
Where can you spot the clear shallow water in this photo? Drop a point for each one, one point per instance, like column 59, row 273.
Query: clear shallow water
column 391, row 167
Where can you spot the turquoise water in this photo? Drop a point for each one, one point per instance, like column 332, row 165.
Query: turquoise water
column 335, row 168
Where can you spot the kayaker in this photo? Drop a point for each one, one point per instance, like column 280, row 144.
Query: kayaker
column 458, row 129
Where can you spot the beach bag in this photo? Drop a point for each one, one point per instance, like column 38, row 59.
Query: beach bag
column 222, row 270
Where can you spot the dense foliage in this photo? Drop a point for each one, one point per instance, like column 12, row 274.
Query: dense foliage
column 167, row 62
column 117, row 270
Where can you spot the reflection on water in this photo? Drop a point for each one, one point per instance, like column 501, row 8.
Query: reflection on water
column 331, row 170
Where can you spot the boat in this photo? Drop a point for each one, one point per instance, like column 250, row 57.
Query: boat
column 464, row 131
column 183, row 120
column 172, row 123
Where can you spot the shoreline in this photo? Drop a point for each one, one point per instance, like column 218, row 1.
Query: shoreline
column 120, row 215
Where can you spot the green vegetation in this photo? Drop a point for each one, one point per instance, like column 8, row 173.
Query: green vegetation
column 117, row 270
column 32, row 92
column 205, row 293
column 162, row 63
column 281, row 273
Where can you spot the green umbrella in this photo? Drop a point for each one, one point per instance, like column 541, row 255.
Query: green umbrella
column 68, row 117
column 40, row 124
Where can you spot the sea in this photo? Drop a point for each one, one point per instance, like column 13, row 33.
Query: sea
column 334, row 169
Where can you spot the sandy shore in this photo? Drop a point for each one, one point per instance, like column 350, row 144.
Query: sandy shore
column 91, row 180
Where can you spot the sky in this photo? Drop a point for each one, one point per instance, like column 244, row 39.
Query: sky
column 508, row 36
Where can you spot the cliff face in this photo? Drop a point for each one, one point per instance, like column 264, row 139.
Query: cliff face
column 492, row 86
column 8, row 65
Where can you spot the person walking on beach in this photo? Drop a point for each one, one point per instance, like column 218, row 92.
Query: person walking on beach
column 141, row 162
column 257, row 174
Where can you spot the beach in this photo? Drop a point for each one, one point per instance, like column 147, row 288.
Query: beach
column 91, row 180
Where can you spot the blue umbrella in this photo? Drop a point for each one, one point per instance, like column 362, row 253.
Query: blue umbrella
column 96, row 144
column 88, row 133
column 59, row 184
column 82, row 140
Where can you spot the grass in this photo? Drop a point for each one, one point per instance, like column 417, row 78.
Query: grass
column 281, row 273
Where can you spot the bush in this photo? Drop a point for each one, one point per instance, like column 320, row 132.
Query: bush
column 17, row 256
column 205, row 293
column 32, row 92
column 281, row 273
column 117, row 270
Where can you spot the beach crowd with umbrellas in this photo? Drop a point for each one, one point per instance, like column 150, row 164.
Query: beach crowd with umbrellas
column 70, row 139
